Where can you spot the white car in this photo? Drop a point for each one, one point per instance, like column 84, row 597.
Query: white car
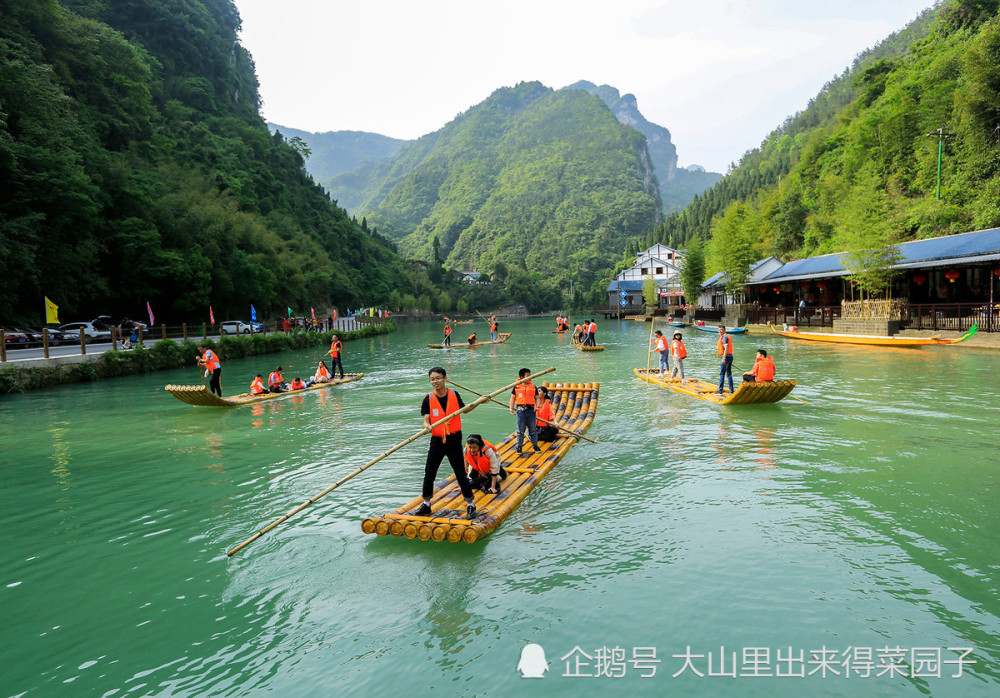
column 91, row 333
column 239, row 327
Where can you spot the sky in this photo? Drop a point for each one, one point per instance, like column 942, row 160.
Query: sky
column 719, row 74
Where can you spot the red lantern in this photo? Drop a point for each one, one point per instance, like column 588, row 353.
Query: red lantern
column 777, row 289
column 919, row 278
column 951, row 275
column 821, row 285
column 996, row 271
column 804, row 285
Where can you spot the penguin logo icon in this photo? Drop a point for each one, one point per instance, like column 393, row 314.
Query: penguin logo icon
column 532, row 664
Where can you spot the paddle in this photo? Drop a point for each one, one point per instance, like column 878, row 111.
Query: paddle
column 468, row 408
column 557, row 426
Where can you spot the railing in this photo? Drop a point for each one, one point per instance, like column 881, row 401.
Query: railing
column 708, row 314
column 810, row 316
column 959, row 317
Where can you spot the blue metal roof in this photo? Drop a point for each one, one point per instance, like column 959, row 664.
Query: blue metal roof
column 625, row 286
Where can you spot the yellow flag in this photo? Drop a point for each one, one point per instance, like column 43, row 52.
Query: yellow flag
column 51, row 312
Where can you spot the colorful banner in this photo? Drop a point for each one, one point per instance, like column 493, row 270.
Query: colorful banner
column 289, row 312
column 150, row 311
column 211, row 316
column 253, row 313
column 313, row 312
column 51, row 312
column 335, row 314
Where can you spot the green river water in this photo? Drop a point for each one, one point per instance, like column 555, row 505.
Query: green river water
column 860, row 528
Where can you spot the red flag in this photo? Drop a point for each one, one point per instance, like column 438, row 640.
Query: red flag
column 334, row 314
column 313, row 311
column 211, row 315
column 150, row 310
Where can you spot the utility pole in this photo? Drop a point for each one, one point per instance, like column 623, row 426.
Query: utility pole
column 941, row 135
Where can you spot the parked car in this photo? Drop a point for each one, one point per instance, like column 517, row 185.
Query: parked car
column 56, row 337
column 90, row 332
column 14, row 339
column 104, row 322
column 240, row 327
column 34, row 336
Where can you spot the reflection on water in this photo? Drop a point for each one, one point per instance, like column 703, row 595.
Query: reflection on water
column 866, row 517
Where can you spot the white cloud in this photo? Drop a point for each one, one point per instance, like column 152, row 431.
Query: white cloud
column 720, row 74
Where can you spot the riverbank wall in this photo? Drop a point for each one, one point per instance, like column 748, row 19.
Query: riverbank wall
column 34, row 374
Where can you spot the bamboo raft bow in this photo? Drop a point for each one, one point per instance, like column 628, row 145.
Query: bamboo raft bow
column 574, row 405
column 585, row 347
column 755, row 393
column 501, row 338
column 874, row 340
column 427, row 430
column 200, row 395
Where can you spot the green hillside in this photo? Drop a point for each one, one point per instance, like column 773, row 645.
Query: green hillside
column 857, row 168
column 335, row 152
column 134, row 167
column 532, row 179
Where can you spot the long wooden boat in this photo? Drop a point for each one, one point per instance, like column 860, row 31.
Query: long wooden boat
column 584, row 347
column 714, row 329
column 876, row 340
column 501, row 338
column 745, row 394
column 200, row 395
column 574, row 406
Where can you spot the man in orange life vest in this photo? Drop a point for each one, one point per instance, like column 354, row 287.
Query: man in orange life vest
column 493, row 330
column 446, row 440
column 660, row 347
column 336, row 346
column 525, row 399
column 213, row 366
column 447, row 335
column 724, row 349
column 763, row 369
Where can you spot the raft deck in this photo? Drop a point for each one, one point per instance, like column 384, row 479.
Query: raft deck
column 200, row 395
column 583, row 347
column 756, row 393
column 573, row 405
column 501, row 338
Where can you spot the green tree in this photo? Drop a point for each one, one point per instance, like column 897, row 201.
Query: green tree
column 650, row 293
column 693, row 269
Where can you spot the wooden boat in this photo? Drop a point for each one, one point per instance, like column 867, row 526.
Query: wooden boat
column 677, row 323
column 714, row 329
column 574, row 406
column 874, row 340
column 501, row 338
column 746, row 393
column 200, row 395
column 559, row 331
column 583, row 347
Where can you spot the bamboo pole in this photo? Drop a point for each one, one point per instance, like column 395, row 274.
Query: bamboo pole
column 652, row 323
column 468, row 408
column 553, row 424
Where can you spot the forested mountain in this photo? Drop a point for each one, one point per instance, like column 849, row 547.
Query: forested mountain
column 532, row 179
column 334, row 152
column 678, row 186
column 858, row 167
column 134, row 167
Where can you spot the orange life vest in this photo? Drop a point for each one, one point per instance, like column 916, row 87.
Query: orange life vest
column 274, row 379
column 593, row 328
column 578, row 329
column 335, row 348
column 764, row 369
column 453, row 425
column 257, row 387
column 544, row 413
column 661, row 344
column 322, row 372
column 472, row 338
column 727, row 349
column 447, row 330
column 493, row 327
column 682, row 351
column 524, row 394
column 482, row 461
column 297, row 384
column 211, row 360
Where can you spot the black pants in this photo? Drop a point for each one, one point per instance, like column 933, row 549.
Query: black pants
column 447, row 340
column 214, row 385
column 547, row 433
column 334, row 362
column 452, row 448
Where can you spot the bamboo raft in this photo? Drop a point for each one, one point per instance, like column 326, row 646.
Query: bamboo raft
column 876, row 340
column 573, row 405
column 200, row 395
column 583, row 347
column 501, row 338
column 756, row 393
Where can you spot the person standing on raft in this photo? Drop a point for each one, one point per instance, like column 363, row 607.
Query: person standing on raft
column 660, row 347
column 213, row 367
column 446, row 440
column 447, row 334
column 679, row 352
column 524, row 401
column 724, row 349
column 336, row 347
